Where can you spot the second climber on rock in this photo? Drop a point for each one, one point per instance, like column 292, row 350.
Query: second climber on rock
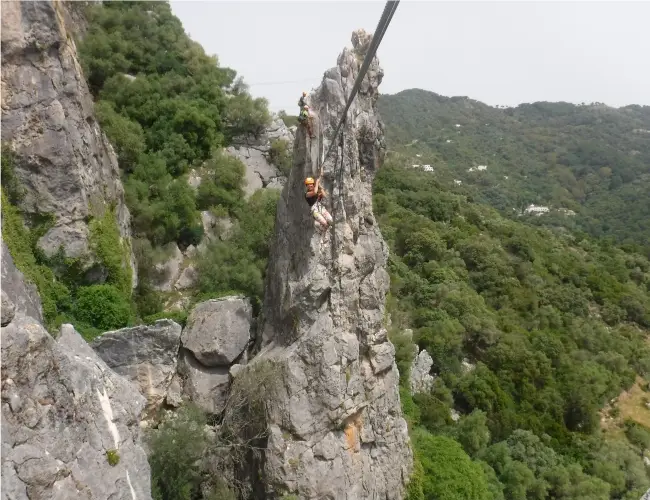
column 305, row 118
column 314, row 196
column 303, row 100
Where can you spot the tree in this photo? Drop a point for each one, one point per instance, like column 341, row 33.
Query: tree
column 449, row 474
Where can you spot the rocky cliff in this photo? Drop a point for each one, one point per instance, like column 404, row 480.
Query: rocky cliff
column 337, row 430
column 64, row 161
column 69, row 423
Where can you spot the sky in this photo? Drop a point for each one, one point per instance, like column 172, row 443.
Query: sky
column 500, row 53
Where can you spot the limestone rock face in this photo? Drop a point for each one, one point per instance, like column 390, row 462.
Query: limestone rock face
column 64, row 161
column 146, row 355
column 63, row 409
column 337, row 429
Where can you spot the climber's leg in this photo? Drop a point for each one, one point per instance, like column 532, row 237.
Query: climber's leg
column 310, row 127
column 326, row 215
column 319, row 218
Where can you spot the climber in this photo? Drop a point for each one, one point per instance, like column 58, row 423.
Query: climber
column 314, row 196
column 302, row 102
column 306, row 119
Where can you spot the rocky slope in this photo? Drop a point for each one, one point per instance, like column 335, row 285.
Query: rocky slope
column 254, row 153
column 336, row 425
column 64, row 160
column 69, row 423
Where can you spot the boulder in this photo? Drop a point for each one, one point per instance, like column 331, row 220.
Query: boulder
column 218, row 330
column 147, row 355
column 207, row 387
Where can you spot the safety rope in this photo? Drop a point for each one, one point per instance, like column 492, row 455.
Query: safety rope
column 382, row 26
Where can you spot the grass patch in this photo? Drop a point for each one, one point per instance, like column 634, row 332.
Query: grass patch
column 112, row 457
column 629, row 405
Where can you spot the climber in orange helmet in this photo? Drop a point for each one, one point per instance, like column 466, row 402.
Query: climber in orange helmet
column 314, row 196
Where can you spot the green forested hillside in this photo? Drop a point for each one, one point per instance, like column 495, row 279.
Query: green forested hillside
column 531, row 332
column 591, row 159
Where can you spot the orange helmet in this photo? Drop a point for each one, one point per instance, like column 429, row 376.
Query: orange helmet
column 309, row 181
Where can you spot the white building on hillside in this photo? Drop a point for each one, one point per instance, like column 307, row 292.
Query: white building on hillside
column 536, row 210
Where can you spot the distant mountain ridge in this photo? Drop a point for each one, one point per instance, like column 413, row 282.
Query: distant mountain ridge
column 591, row 159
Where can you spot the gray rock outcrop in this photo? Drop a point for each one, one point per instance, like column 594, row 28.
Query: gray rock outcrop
column 218, row 330
column 65, row 413
column 205, row 386
column 646, row 496
column 254, row 154
column 63, row 160
column 420, row 378
column 147, row 355
column 336, row 425
column 167, row 272
column 8, row 309
column 187, row 279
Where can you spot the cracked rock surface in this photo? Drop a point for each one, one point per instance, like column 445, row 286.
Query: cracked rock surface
column 146, row 355
column 337, row 430
column 63, row 409
column 63, row 160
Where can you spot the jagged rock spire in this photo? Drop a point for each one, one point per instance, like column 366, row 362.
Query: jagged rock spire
column 337, row 426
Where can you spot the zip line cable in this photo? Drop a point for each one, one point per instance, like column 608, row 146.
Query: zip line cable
column 304, row 80
column 382, row 26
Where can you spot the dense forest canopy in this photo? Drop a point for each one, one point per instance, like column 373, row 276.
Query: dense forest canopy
column 531, row 333
column 591, row 159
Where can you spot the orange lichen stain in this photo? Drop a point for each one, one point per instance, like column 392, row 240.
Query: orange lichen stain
column 353, row 426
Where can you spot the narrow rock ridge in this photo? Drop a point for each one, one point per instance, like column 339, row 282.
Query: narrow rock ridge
column 337, row 430
column 64, row 161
